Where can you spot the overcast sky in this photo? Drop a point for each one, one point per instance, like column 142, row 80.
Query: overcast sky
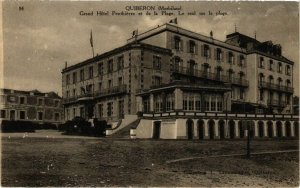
column 39, row 39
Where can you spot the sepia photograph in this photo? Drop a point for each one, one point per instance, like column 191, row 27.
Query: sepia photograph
column 149, row 93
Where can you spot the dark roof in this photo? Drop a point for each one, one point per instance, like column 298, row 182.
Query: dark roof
column 35, row 92
column 118, row 50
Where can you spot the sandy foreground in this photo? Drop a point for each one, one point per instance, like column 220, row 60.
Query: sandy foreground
column 47, row 158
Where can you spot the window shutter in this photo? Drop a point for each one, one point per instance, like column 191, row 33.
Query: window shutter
column 202, row 50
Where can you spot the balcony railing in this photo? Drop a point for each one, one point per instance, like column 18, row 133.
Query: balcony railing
column 111, row 91
column 104, row 92
column 277, row 87
column 211, row 76
column 276, row 103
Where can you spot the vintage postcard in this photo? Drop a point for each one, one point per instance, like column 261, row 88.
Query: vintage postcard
column 149, row 94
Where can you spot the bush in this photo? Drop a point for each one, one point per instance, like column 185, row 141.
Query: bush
column 79, row 126
column 17, row 126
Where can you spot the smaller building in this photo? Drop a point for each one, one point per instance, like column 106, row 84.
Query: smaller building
column 32, row 106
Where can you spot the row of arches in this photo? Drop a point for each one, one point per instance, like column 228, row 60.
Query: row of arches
column 276, row 129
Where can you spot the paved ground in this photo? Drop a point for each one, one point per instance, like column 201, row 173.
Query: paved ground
column 47, row 158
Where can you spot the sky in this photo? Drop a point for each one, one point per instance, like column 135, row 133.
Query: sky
column 38, row 40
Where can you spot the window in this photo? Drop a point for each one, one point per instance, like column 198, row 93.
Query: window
column 157, row 80
column 81, row 111
column 109, row 84
column 261, row 94
column 156, row 62
column 219, row 103
column 213, row 103
column 22, row 100
column 207, row 103
column 89, row 88
column 279, row 70
column 100, row 110
column 271, row 80
column 40, row 115
column 22, row 114
column 74, row 77
column 261, row 78
column 191, row 102
column 100, row 86
column 177, row 64
column 110, row 67
column 242, row 61
column 68, row 94
column 74, row 92
column 74, row 112
column 288, row 70
column 219, row 54
column 197, row 102
column 218, row 73
column 109, row 109
column 185, row 101
column 3, row 114
column 100, row 68
column 146, row 105
column 56, row 116
column 91, row 72
column 288, row 98
column 56, row 103
column 40, row 102
column 120, row 81
column 288, row 83
column 230, row 58
column 170, row 102
column 206, row 51
column 192, row 47
column 120, row 62
column 158, row 104
column 68, row 79
column 279, row 80
column 81, row 74
column 192, row 67
column 177, row 43
column 230, row 75
column 242, row 92
column 261, row 63
column 271, row 65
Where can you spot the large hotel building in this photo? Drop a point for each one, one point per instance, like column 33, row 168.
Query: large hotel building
column 170, row 71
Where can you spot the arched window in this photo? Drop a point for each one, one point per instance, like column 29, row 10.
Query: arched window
column 288, row 83
column 271, row 79
column 279, row 81
column 261, row 78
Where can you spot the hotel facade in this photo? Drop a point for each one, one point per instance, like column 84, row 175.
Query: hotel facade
column 34, row 106
column 172, row 75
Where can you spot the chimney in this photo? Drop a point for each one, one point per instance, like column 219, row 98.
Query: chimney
column 66, row 64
